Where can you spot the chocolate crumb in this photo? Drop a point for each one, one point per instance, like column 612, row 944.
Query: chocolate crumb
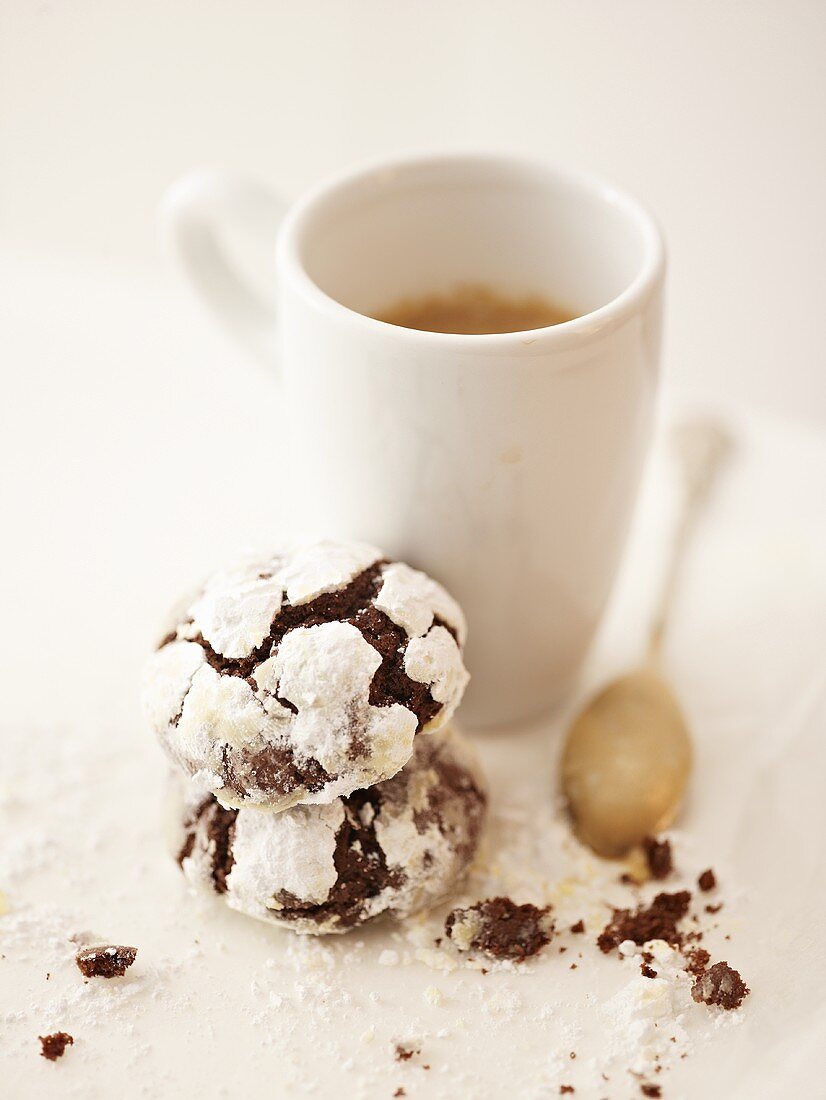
column 400, row 1092
column 657, row 921
column 105, row 961
column 707, row 880
column 628, row 880
column 573, row 966
column 572, row 1054
column 720, row 985
column 502, row 929
column 697, row 959
column 53, row 1046
column 647, row 971
column 404, row 1053
column 578, row 928
column 658, row 857
column 650, row 1090
column 563, row 1089
column 714, row 908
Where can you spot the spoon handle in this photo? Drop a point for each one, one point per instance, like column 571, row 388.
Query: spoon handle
column 702, row 447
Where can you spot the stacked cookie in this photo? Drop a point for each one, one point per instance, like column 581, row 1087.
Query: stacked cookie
column 304, row 697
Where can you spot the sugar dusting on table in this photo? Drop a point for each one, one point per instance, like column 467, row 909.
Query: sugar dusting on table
column 306, row 1005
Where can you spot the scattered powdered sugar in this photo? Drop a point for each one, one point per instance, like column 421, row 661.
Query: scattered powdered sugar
column 215, row 1001
column 39, row 942
column 644, row 1022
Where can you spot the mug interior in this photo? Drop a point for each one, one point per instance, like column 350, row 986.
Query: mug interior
column 424, row 227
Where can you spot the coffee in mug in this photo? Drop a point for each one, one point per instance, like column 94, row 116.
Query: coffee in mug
column 475, row 308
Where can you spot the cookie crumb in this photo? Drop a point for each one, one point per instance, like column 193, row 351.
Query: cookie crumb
column 500, row 928
column 53, row 1046
column 400, row 1092
column 563, row 1089
column 658, row 857
column 697, row 959
column 714, row 908
column 578, row 928
column 650, row 1090
column 657, row 921
column 648, row 971
column 720, row 985
column 404, row 1052
column 707, row 880
column 105, row 960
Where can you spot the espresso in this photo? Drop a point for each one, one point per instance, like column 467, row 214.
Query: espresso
column 473, row 308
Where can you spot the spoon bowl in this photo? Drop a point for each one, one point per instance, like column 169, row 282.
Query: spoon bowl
column 626, row 763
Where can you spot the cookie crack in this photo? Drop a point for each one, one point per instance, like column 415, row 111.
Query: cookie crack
column 360, row 863
column 219, row 828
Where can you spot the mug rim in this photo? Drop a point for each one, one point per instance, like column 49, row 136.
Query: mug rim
column 565, row 334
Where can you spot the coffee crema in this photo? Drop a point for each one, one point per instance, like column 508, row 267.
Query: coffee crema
column 474, row 309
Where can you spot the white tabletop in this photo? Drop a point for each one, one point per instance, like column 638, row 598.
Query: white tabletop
column 125, row 423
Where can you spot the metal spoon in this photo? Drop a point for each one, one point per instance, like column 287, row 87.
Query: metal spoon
column 627, row 757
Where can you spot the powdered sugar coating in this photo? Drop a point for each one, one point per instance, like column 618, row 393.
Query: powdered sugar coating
column 326, row 671
column 412, row 600
column 323, row 567
column 219, row 706
column 303, row 675
column 174, row 667
column 290, row 852
column 435, row 660
column 236, row 607
column 395, row 849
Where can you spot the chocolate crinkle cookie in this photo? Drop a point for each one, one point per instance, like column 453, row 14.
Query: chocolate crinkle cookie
column 305, row 675
column 394, row 848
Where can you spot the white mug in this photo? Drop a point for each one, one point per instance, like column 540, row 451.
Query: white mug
column 504, row 465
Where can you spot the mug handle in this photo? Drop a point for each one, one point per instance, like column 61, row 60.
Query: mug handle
column 193, row 214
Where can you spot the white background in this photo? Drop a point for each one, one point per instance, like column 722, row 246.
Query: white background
column 712, row 111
